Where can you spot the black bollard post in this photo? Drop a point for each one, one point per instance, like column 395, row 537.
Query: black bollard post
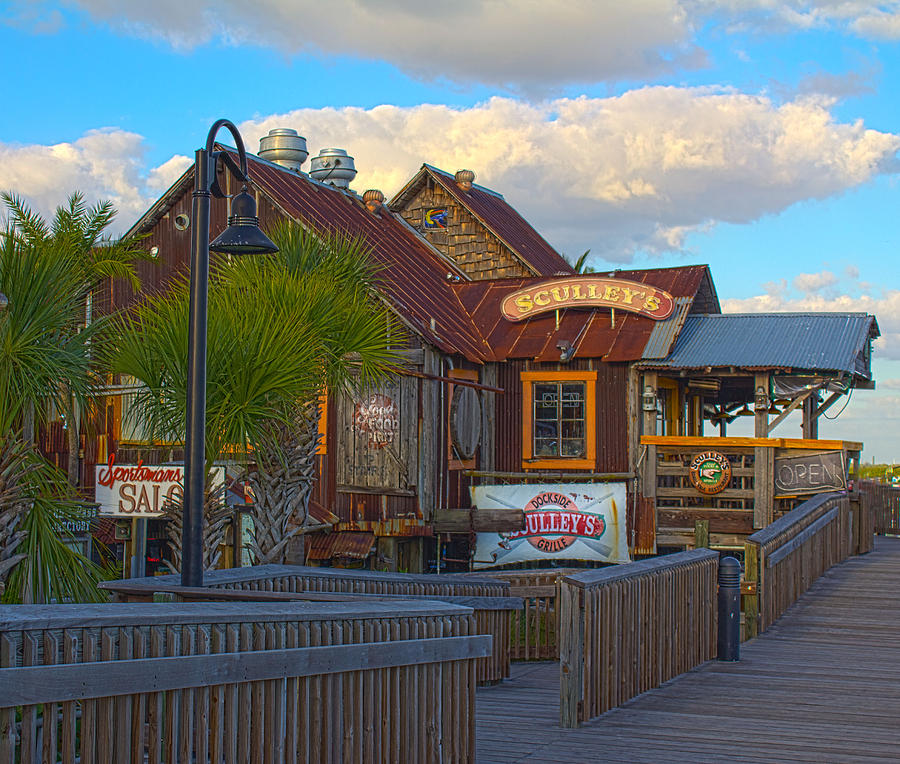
column 729, row 609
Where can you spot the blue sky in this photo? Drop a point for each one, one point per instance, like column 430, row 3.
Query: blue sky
column 759, row 138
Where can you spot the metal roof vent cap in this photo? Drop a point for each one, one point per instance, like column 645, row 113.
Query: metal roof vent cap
column 284, row 147
column 334, row 167
column 373, row 199
column 464, row 179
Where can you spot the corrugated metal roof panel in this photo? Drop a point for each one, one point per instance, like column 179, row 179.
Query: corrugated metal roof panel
column 324, row 546
column 808, row 341
column 413, row 276
column 665, row 332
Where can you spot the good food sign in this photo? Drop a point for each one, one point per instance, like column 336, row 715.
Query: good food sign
column 141, row 490
column 587, row 292
column 562, row 521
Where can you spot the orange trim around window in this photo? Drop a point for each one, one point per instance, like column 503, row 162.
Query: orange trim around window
column 322, row 447
column 529, row 462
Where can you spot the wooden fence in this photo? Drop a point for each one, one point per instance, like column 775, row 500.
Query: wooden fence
column 884, row 501
column 494, row 611
column 784, row 559
column 242, row 682
column 629, row 628
column 534, row 634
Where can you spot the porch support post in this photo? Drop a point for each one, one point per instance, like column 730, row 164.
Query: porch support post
column 761, row 405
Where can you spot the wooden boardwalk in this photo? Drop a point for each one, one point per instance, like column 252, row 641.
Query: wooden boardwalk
column 821, row 685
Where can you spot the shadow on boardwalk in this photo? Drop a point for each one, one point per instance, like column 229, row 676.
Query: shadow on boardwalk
column 822, row 685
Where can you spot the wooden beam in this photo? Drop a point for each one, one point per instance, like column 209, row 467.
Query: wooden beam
column 29, row 685
column 673, row 441
column 794, row 404
column 451, row 380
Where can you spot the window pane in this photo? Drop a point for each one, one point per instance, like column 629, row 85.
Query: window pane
column 559, row 419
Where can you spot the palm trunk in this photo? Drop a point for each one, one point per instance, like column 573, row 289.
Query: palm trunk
column 282, row 484
column 13, row 505
column 215, row 518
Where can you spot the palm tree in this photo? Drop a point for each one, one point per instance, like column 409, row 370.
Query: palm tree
column 281, row 330
column 79, row 230
column 40, row 344
column 330, row 280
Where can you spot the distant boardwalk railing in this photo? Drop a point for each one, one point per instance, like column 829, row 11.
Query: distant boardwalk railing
column 884, row 500
column 493, row 613
column 629, row 628
column 242, row 682
column 784, row 559
column 533, row 634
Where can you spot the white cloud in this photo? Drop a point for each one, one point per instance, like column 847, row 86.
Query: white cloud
column 639, row 171
column 568, row 41
column 814, row 282
column 103, row 164
column 462, row 41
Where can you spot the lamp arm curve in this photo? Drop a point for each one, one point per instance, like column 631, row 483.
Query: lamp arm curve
column 238, row 141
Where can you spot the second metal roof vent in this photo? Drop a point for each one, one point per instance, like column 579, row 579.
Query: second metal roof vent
column 334, row 167
column 283, row 146
column 464, row 179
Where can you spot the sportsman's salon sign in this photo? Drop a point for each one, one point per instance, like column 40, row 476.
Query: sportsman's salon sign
column 567, row 522
column 141, row 490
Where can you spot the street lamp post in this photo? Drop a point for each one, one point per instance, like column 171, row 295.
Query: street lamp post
column 241, row 237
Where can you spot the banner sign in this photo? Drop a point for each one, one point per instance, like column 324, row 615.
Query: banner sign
column 141, row 490
column 572, row 521
column 816, row 473
column 587, row 292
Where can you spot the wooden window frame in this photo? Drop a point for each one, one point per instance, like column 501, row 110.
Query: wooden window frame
column 589, row 461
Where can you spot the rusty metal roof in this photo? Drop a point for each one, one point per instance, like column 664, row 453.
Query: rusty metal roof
column 593, row 333
column 413, row 275
column 324, row 546
column 498, row 216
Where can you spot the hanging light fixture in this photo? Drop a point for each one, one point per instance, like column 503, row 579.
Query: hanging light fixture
column 745, row 411
column 243, row 235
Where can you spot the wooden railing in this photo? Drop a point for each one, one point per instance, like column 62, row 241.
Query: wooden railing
column 534, row 631
column 247, row 682
column 494, row 611
column 783, row 560
column 884, row 501
column 629, row 628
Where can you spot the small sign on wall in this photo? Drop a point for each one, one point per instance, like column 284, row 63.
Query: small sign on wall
column 570, row 521
column 815, row 473
column 436, row 217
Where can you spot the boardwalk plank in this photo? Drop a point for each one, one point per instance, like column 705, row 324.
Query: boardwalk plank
column 821, row 685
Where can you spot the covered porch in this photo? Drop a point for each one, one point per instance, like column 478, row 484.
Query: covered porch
column 711, row 467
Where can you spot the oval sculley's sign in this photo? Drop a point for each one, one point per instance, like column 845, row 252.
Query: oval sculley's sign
column 587, row 292
column 553, row 522
column 710, row 472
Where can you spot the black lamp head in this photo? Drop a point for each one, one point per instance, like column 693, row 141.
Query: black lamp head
column 243, row 236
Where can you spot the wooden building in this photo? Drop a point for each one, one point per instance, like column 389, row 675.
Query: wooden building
column 519, row 371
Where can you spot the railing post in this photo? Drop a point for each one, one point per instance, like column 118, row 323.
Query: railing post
column 729, row 609
column 571, row 655
column 751, row 600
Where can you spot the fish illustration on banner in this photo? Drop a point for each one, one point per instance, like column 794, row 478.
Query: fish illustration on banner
column 571, row 521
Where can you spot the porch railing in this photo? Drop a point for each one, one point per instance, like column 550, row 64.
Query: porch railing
column 244, row 682
column 783, row 560
column 494, row 610
column 629, row 628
